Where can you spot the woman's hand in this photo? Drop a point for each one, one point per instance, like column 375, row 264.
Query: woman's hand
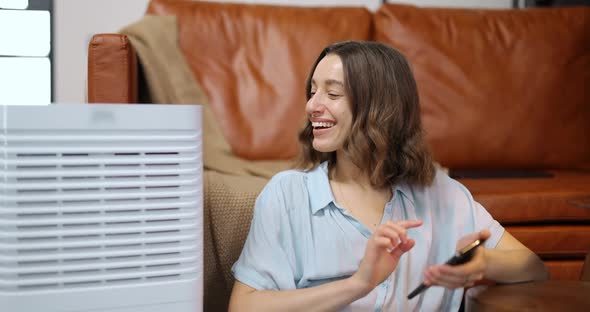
column 464, row 275
column 384, row 249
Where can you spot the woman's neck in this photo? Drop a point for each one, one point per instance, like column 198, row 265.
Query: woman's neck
column 345, row 171
column 347, row 178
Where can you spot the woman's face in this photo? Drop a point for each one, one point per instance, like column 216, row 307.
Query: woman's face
column 328, row 109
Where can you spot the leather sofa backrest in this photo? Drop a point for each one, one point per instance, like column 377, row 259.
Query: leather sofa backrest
column 252, row 61
column 499, row 88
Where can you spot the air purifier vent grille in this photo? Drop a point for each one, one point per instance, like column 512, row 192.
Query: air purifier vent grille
column 98, row 208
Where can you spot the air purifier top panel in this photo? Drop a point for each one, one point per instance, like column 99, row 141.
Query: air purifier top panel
column 100, row 116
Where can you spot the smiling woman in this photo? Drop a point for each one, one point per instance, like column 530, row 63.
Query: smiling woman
column 367, row 218
column 25, row 52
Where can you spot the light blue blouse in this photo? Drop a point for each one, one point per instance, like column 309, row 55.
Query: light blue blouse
column 300, row 237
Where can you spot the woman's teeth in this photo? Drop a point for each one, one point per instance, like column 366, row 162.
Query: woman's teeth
column 322, row 124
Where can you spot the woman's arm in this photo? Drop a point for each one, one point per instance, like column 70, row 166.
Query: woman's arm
column 331, row 296
column 382, row 254
column 512, row 262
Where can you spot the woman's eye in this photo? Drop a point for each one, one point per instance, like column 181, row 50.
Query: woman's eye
column 312, row 93
column 333, row 95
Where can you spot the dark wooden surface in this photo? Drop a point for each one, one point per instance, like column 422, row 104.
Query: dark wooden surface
column 533, row 296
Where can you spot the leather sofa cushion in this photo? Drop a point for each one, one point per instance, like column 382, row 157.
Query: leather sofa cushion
column 499, row 88
column 565, row 197
column 564, row 269
column 252, row 61
column 554, row 241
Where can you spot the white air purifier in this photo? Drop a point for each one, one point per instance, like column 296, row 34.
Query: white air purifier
column 101, row 208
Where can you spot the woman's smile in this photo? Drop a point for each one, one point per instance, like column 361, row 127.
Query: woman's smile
column 321, row 126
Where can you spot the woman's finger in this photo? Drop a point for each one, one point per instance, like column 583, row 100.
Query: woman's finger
column 409, row 223
column 383, row 242
column 390, row 233
column 401, row 231
column 403, row 248
column 450, row 277
column 446, row 280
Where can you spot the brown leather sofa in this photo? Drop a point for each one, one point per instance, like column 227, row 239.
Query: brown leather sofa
column 505, row 96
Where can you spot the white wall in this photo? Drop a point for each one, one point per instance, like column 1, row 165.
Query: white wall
column 371, row 4
column 490, row 4
column 75, row 21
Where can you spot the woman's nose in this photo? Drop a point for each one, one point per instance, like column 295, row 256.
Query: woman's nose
column 314, row 106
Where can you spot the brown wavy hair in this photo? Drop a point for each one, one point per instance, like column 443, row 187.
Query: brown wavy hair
column 386, row 138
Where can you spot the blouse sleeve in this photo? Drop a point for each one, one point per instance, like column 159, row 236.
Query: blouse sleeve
column 483, row 220
column 267, row 260
column 477, row 217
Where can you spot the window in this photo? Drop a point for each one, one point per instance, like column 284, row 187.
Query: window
column 25, row 52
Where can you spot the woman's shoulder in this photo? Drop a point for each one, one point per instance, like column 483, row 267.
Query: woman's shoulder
column 288, row 177
column 444, row 187
column 286, row 183
column 286, row 195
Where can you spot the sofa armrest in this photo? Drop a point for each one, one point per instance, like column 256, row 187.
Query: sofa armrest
column 112, row 70
column 585, row 276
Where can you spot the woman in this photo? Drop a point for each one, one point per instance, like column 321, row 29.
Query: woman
column 368, row 218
